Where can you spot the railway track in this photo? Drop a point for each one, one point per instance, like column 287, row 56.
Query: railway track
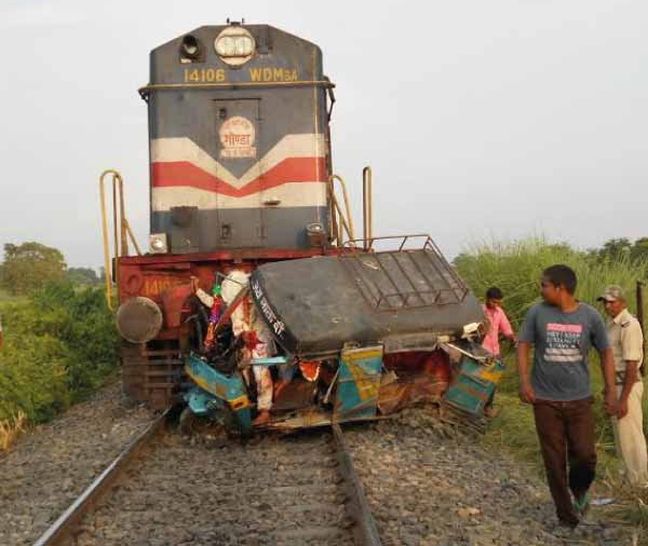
column 162, row 489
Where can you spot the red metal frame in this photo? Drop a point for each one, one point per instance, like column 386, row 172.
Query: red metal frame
column 151, row 370
column 150, row 275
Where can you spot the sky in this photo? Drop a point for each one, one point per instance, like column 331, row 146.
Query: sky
column 481, row 120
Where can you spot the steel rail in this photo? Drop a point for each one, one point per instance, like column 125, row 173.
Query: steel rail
column 64, row 527
column 366, row 530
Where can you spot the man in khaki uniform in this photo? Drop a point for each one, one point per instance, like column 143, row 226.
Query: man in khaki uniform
column 626, row 339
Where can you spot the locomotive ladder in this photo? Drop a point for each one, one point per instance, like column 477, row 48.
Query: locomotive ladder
column 121, row 230
column 342, row 220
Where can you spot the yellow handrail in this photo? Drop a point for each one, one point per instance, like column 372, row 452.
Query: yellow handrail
column 346, row 222
column 367, row 205
column 121, row 230
column 342, row 223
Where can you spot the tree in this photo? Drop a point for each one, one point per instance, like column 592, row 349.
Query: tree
column 622, row 248
column 615, row 248
column 82, row 275
column 639, row 250
column 29, row 266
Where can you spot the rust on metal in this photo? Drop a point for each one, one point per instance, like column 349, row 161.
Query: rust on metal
column 152, row 371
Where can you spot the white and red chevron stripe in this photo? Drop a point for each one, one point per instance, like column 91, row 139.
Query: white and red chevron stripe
column 292, row 174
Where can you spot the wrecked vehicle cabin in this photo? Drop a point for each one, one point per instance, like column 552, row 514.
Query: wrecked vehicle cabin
column 356, row 336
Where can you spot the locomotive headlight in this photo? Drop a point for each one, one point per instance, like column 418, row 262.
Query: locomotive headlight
column 315, row 234
column 158, row 243
column 235, row 45
column 190, row 47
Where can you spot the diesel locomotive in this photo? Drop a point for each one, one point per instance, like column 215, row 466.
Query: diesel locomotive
column 240, row 164
column 242, row 186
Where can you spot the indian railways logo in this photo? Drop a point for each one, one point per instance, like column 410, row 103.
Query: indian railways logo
column 237, row 135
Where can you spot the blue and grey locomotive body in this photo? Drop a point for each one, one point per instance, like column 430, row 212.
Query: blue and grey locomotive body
column 239, row 145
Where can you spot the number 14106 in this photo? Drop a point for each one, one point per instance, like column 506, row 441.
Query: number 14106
column 204, row 75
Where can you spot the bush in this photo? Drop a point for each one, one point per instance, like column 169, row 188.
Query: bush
column 81, row 321
column 60, row 345
column 32, row 378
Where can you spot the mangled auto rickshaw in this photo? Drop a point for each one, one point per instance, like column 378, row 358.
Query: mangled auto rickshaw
column 355, row 336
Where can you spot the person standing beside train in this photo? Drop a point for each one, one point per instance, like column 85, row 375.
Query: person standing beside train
column 562, row 331
column 626, row 339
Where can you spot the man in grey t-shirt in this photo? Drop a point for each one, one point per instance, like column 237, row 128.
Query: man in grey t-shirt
column 562, row 343
column 562, row 331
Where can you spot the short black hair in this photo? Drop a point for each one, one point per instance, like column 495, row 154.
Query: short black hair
column 494, row 293
column 561, row 275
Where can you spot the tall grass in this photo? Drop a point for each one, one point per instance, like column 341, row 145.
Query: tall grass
column 516, row 268
column 11, row 429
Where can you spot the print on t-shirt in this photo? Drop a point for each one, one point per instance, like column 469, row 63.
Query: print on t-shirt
column 563, row 343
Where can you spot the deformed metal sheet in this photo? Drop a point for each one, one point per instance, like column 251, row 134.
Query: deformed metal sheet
column 314, row 306
column 295, row 395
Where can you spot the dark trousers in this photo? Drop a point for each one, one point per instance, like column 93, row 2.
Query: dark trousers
column 566, row 434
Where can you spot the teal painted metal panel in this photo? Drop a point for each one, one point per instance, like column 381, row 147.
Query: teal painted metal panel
column 473, row 385
column 358, row 383
column 217, row 393
column 225, row 387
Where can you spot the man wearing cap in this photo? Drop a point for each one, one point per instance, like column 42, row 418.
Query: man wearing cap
column 626, row 339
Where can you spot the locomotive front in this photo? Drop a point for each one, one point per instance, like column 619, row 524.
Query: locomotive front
column 239, row 147
column 240, row 166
